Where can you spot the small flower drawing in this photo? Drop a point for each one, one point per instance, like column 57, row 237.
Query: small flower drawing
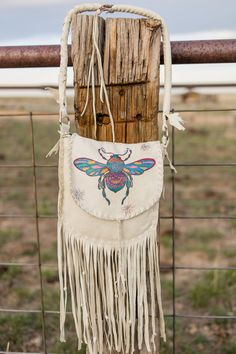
column 79, row 194
column 145, row 147
column 128, row 209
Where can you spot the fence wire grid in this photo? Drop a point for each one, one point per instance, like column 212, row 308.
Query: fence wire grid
column 36, row 216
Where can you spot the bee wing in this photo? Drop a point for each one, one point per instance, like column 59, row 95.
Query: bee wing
column 90, row 167
column 139, row 167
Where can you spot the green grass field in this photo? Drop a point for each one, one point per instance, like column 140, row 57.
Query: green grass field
column 200, row 191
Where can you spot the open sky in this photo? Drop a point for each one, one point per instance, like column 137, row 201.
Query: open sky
column 28, row 19
column 40, row 21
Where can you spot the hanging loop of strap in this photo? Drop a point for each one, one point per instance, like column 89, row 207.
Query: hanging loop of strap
column 167, row 116
column 63, row 117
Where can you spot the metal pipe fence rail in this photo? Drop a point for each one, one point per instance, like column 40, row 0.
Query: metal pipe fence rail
column 183, row 52
column 10, row 57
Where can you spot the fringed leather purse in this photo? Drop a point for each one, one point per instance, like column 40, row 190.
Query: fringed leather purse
column 108, row 207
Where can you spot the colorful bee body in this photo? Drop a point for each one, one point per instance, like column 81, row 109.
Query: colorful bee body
column 115, row 174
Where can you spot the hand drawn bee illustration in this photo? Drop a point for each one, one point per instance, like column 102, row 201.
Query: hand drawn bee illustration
column 115, row 174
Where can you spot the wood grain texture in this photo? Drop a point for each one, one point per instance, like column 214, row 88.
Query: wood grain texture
column 130, row 50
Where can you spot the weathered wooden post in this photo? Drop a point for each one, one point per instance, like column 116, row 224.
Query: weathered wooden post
column 130, row 51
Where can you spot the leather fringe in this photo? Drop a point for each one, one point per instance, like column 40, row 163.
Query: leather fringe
column 115, row 291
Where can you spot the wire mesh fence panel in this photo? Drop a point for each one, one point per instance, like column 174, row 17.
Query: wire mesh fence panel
column 198, row 221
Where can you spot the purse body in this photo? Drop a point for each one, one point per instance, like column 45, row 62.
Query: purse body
column 107, row 243
column 108, row 214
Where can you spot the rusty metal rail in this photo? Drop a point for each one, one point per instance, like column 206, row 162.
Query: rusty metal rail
column 183, row 52
column 188, row 86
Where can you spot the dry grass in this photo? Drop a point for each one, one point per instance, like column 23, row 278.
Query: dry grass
column 200, row 191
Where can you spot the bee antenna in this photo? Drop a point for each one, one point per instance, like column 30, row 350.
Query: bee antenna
column 124, row 152
column 129, row 152
column 101, row 150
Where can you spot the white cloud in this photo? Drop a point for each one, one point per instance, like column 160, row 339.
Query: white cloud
column 33, row 40
column 201, row 35
column 182, row 74
column 55, row 38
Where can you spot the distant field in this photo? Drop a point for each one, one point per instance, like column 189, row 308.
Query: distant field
column 200, row 191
